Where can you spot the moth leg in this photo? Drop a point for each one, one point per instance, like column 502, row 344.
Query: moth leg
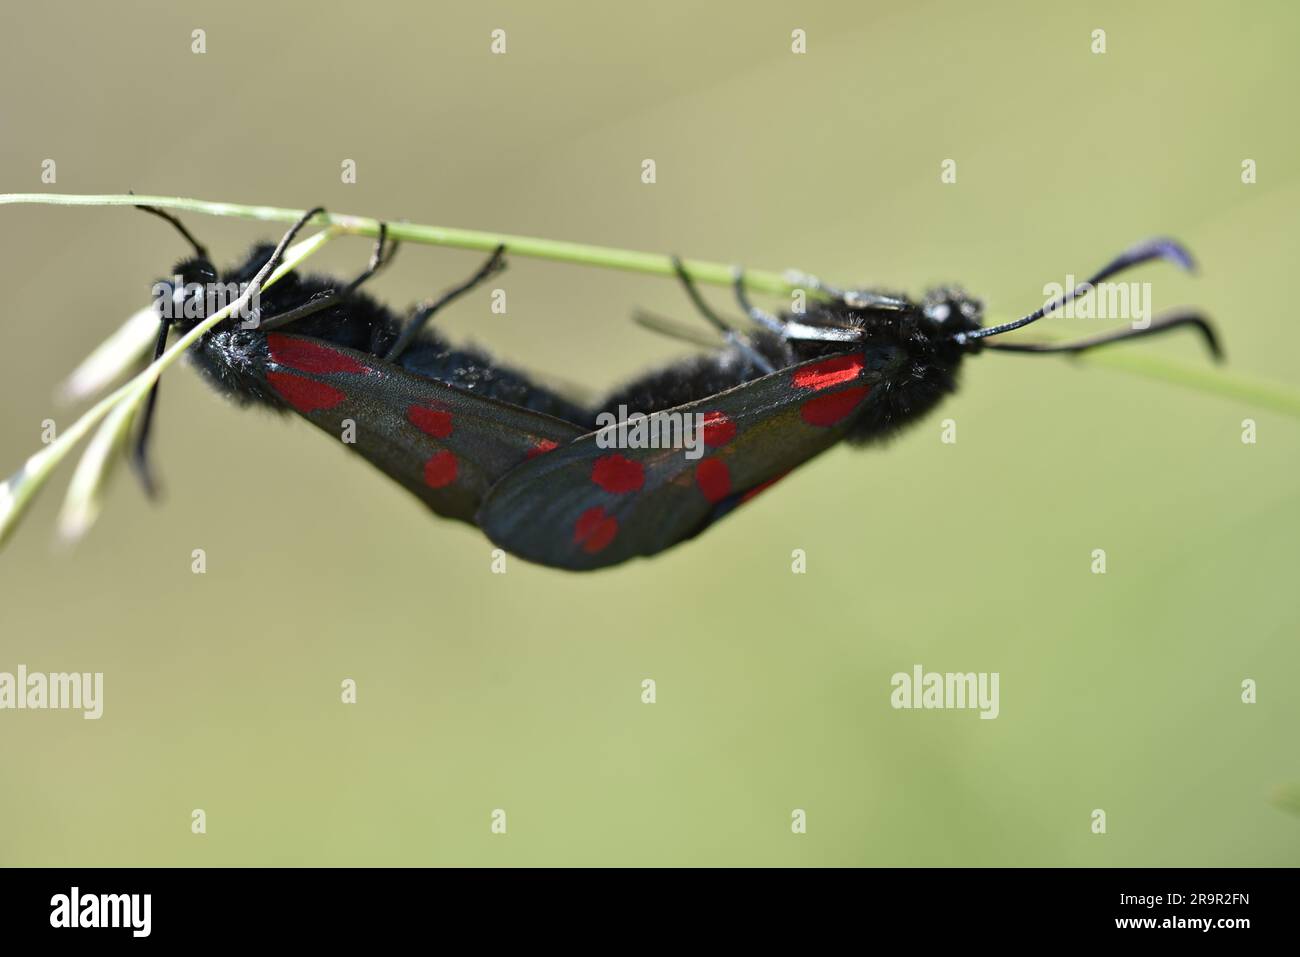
column 1165, row 323
column 853, row 298
column 737, row 339
column 379, row 258
column 425, row 311
column 790, row 329
column 818, row 285
column 140, row 463
column 765, row 319
column 866, row 299
column 672, row 329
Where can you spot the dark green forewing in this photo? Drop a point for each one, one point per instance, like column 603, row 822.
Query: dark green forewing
column 447, row 446
column 585, row 506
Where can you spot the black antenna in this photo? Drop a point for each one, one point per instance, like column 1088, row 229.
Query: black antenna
column 1163, row 324
column 1141, row 253
column 199, row 249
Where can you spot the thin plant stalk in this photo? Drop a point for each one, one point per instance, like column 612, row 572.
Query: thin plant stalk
column 555, row 250
column 1282, row 398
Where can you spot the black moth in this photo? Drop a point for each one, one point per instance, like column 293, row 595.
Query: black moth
column 549, row 479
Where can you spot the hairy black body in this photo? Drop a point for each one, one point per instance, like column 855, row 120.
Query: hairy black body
column 234, row 359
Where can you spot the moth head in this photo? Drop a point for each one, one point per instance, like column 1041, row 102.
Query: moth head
column 181, row 300
column 949, row 310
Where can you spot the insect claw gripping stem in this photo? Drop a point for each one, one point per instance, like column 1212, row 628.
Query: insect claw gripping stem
column 853, row 298
column 380, row 257
column 789, row 329
column 737, row 339
column 421, row 315
column 378, row 260
column 765, row 319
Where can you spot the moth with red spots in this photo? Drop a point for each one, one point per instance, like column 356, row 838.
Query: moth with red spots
column 445, row 423
column 489, row 445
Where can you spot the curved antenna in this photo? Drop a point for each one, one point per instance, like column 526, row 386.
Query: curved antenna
column 1141, row 253
column 199, row 249
column 1163, row 324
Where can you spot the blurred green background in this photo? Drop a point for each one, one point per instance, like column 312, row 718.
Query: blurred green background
column 522, row 691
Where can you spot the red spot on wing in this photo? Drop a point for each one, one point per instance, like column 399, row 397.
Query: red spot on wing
column 305, row 395
column 828, row 410
column 830, row 372
column 308, row 356
column 440, row 469
column 435, row 422
column 594, row 530
column 543, row 446
column 719, row 429
column 714, row 479
column 761, row 487
column 617, row 474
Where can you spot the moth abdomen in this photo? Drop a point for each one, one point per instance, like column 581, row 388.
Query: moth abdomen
column 697, row 377
column 235, row 360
